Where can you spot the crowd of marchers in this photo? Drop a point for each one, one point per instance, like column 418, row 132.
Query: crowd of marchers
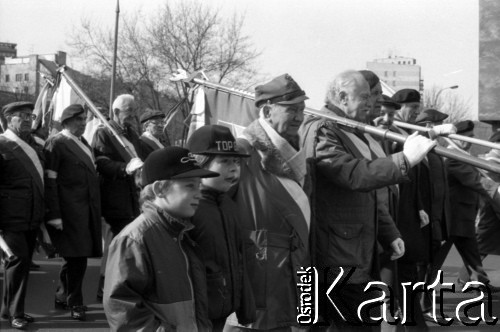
column 211, row 236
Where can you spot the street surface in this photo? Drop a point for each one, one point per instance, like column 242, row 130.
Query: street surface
column 43, row 282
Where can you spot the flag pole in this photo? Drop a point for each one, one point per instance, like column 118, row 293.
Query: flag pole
column 113, row 72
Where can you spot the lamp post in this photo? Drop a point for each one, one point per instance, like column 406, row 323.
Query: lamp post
column 439, row 93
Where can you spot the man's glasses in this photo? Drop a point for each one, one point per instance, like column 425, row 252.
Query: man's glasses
column 25, row 116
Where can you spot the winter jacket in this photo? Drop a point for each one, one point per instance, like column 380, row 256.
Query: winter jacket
column 154, row 278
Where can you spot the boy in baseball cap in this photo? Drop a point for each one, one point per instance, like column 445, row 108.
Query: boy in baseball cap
column 154, row 279
column 216, row 226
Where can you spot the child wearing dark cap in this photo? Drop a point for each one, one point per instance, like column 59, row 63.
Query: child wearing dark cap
column 216, row 222
column 154, row 279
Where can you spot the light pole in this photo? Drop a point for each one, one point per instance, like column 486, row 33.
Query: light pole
column 439, row 92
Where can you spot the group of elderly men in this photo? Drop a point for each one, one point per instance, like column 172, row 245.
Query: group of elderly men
column 317, row 194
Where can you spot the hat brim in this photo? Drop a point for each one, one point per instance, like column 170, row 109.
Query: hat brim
column 228, row 154
column 152, row 117
column 294, row 100
column 389, row 104
column 196, row 173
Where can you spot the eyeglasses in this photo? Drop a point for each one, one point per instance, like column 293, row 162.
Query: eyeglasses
column 26, row 116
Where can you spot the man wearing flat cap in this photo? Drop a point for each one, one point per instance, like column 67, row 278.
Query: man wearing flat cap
column 275, row 209
column 73, row 206
column 21, row 205
column 152, row 137
column 351, row 214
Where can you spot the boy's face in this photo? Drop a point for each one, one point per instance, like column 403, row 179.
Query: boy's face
column 181, row 198
column 229, row 170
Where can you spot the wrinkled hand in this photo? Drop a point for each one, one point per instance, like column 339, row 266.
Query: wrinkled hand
column 424, row 218
column 133, row 165
column 445, row 129
column 398, row 248
column 416, row 148
column 56, row 223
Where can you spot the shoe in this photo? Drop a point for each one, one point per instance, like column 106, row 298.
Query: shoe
column 18, row 323
column 26, row 317
column 62, row 305
column 78, row 313
column 429, row 318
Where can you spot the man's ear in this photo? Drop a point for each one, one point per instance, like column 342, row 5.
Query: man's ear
column 116, row 111
column 158, row 188
column 266, row 110
column 343, row 97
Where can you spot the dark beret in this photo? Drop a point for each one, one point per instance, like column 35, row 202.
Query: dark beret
column 406, row 96
column 150, row 114
column 388, row 101
column 495, row 137
column 370, row 77
column 71, row 111
column 16, row 106
column 281, row 90
column 464, row 126
column 430, row 115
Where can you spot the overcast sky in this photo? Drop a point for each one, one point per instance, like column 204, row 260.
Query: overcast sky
column 312, row 40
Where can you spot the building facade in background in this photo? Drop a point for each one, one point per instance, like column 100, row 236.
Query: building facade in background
column 398, row 72
column 23, row 76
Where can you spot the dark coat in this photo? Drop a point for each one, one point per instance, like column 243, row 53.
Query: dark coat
column 275, row 232
column 465, row 190
column 216, row 233
column 119, row 193
column 154, row 278
column 21, row 188
column 74, row 197
column 346, row 203
column 147, row 146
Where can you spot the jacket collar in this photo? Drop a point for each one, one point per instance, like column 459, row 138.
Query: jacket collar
column 176, row 227
column 271, row 158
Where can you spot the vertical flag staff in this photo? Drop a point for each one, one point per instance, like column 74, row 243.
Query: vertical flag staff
column 113, row 73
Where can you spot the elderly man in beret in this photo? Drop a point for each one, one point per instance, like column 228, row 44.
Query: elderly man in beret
column 350, row 167
column 21, row 205
column 275, row 209
column 152, row 137
column 73, row 206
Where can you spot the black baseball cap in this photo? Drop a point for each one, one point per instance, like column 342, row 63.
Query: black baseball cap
column 214, row 140
column 172, row 163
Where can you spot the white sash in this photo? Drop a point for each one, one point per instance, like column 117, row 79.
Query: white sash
column 30, row 152
column 80, row 144
column 147, row 134
column 365, row 149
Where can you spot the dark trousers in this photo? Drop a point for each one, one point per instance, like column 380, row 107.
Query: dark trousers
column 16, row 271
column 70, row 281
column 469, row 251
column 348, row 299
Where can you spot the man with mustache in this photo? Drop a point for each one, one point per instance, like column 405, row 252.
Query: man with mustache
column 21, row 205
column 275, row 210
column 152, row 137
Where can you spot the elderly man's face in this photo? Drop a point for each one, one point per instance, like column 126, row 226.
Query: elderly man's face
column 462, row 144
column 286, row 119
column 409, row 112
column 128, row 115
column 155, row 127
column 20, row 121
column 387, row 115
column 374, row 102
column 356, row 102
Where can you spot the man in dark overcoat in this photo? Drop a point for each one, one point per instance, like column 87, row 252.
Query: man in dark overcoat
column 73, row 206
column 21, row 206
